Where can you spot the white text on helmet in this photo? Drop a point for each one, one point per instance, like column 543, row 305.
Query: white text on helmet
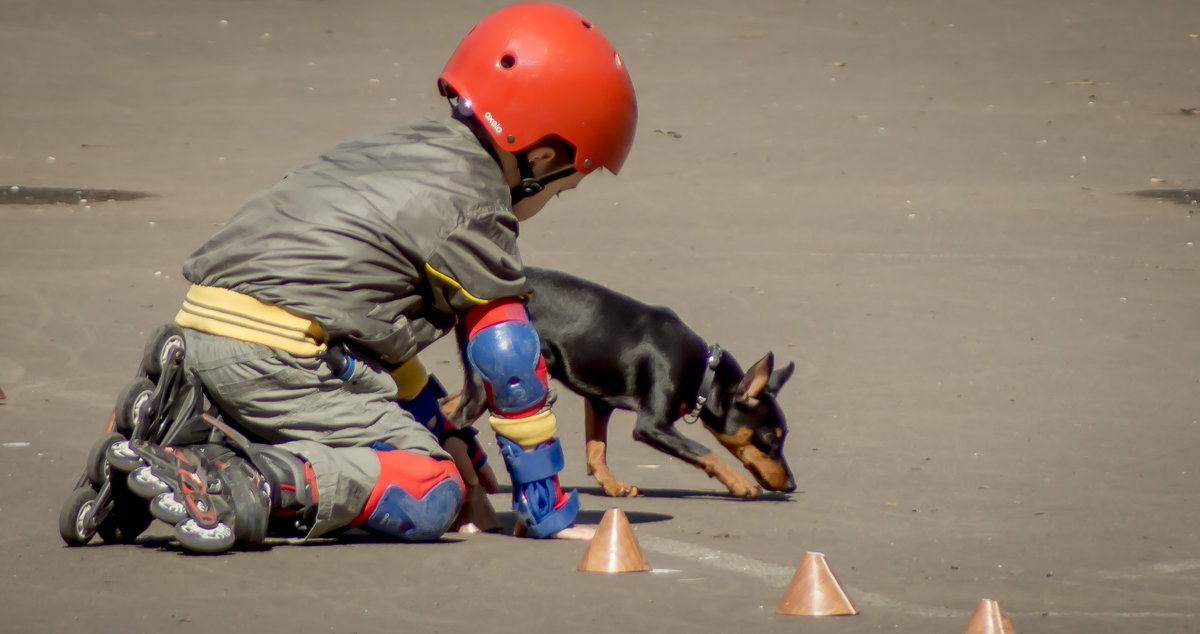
column 492, row 121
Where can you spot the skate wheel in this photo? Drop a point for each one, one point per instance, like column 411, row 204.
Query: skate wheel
column 164, row 348
column 97, row 464
column 146, row 484
column 133, row 407
column 168, row 508
column 121, row 457
column 77, row 519
column 196, row 538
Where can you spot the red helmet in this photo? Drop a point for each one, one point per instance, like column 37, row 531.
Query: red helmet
column 534, row 69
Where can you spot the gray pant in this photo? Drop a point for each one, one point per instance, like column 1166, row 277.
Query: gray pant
column 298, row 404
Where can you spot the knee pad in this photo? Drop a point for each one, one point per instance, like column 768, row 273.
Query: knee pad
column 537, row 498
column 508, row 356
column 416, row 498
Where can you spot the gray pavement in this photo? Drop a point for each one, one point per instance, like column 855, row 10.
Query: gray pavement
column 926, row 205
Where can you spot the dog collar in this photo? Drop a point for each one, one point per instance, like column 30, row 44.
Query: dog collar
column 706, row 382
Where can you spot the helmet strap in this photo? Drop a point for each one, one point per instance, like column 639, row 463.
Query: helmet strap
column 532, row 185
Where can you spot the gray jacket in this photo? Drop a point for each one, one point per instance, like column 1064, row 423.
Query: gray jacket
column 350, row 239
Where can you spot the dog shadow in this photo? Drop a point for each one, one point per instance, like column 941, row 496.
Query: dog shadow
column 507, row 519
column 680, row 494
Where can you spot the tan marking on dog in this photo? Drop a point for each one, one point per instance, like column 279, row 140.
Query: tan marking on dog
column 597, row 455
column 769, row 473
column 738, row 484
column 755, row 380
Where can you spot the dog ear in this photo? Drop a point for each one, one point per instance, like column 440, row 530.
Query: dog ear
column 779, row 377
column 756, row 378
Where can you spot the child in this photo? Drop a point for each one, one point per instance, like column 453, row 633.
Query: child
column 309, row 307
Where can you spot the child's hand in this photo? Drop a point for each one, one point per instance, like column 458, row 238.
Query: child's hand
column 477, row 513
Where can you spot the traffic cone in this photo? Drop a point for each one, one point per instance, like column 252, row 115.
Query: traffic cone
column 989, row 618
column 815, row 591
column 614, row 548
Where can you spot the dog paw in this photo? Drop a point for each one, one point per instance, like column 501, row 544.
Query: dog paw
column 620, row 490
column 745, row 490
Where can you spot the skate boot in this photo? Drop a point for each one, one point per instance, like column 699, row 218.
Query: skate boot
column 92, row 507
column 161, row 393
column 214, row 498
column 291, row 481
column 158, row 406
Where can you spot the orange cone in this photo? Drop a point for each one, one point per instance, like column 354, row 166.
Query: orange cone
column 614, row 548
column 989, row 618
column 815, row 591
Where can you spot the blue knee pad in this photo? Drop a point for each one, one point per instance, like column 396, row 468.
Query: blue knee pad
column 401, row 515
column 534, row 494
column 506, row 355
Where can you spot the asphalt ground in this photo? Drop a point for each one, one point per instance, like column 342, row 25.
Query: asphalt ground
column 930, row 207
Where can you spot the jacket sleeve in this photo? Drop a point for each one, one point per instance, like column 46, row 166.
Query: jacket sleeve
column 477, row 263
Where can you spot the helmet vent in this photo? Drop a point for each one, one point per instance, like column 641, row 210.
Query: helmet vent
column 586, row 24
column 508, row 60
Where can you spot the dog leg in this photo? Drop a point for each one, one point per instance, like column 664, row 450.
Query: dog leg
column 660, row 433
column 596, row 419
column 738, row 484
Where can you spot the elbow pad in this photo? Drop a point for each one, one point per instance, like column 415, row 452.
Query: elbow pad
column 505, row 350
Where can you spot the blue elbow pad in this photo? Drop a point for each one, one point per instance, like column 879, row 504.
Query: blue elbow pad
column 506, row 355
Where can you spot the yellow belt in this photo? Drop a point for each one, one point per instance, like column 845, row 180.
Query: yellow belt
column 228, row 313
column 220, row 311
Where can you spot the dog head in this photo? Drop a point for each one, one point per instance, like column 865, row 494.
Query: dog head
column 746, row 419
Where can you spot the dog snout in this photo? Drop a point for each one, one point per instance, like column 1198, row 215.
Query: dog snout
column 773, row 475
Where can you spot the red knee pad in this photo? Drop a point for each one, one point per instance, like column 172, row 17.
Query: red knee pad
column 415, row 473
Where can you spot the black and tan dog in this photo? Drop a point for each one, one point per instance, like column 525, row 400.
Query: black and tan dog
column 618, row 353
